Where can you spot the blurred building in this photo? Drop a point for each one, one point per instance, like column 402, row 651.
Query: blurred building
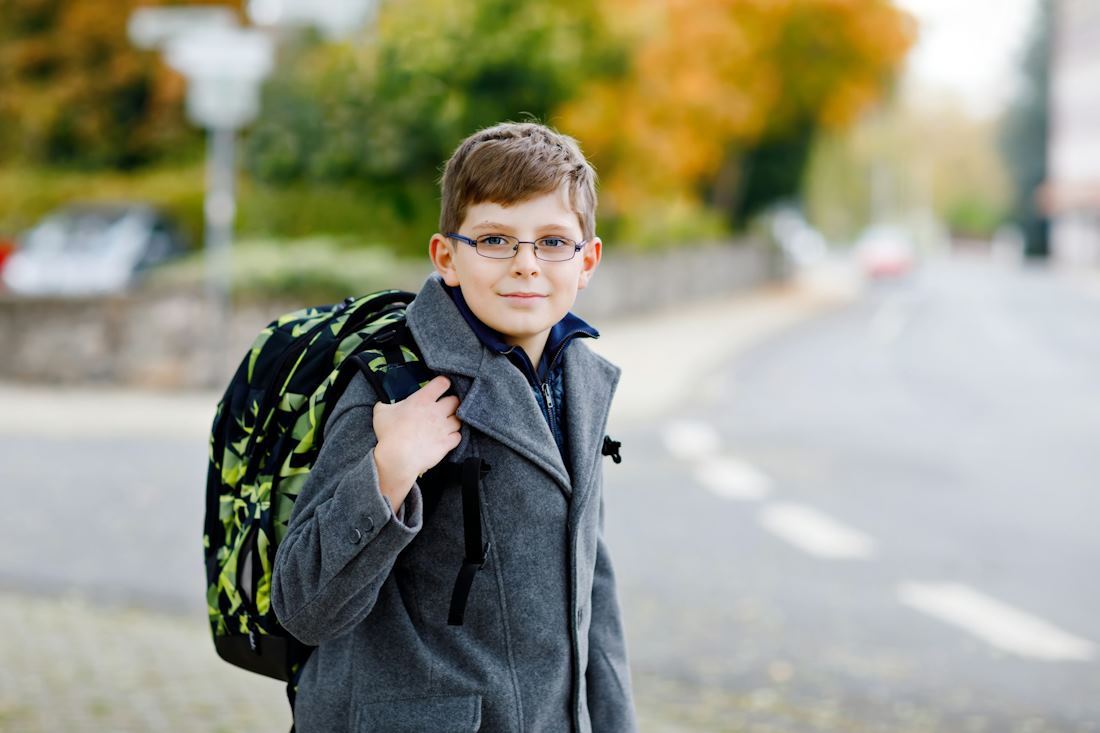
column 1071, row 194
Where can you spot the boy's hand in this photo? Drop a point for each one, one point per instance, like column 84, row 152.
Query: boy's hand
column 414, row 435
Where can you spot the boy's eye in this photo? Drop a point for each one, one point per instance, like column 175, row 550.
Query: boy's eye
column 552, row 242
column 494, row 240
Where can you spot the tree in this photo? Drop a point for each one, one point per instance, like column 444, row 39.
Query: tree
column 1024, row 137
column 725, row 96
column 390, row 107
column 75, row 92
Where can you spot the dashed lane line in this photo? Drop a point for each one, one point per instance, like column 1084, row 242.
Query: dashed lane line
column 691, row 439
column 1006, row 628
column 814, row 532
column 732, row 478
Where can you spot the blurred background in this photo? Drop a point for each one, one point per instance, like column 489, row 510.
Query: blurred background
column 871, row 229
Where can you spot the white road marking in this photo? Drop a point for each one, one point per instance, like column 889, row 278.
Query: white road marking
column 814, row 532
column 732, row 478
column 691, row 439
column 1004, row 627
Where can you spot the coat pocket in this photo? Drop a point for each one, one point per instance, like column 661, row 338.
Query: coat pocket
column 452, row 714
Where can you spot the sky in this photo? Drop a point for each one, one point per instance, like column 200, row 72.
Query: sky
column 970, row 47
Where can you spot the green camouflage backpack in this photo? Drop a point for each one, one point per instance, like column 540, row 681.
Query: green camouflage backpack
column 266, row 435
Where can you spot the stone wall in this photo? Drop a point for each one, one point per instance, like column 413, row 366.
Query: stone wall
column 167, row 339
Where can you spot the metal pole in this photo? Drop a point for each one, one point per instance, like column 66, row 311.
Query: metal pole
column 220, row 210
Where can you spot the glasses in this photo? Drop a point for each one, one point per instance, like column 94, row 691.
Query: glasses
column 504, row 247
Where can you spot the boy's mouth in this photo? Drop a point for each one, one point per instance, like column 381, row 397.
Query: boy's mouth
column 523, row 295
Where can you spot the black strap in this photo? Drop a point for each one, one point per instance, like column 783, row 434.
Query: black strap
column 473, row 469
column 291, row 696
column 297, row 653
column 399, row 380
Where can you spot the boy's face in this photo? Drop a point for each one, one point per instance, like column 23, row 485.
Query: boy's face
column 489, row 285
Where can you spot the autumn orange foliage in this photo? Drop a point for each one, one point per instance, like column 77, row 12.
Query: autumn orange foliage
column 73, row 89
column 711, row 78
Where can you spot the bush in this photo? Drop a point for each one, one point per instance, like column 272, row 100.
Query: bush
column 361, row 215
column 313, row 270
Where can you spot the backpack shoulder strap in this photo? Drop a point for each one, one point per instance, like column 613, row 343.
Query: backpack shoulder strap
column 395, row 368
column 392, row 363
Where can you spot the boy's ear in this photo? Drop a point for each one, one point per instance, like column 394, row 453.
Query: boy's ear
column 590, row 259
column 442, row 253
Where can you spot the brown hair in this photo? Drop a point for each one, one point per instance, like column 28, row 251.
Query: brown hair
column 512, row 162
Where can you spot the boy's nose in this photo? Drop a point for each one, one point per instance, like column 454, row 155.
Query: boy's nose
column 525, row 260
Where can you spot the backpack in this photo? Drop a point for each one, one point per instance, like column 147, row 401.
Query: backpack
column 266, row 435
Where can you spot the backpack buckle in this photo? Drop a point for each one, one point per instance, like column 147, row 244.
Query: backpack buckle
column 386, row 336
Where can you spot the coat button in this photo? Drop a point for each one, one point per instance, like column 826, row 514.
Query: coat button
column 356, row 536
column 370, row 525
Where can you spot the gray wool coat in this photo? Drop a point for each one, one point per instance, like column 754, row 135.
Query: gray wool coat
column 542, row 646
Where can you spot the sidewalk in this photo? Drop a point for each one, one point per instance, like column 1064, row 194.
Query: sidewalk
column 70, row 667
column 73, row 666
column 705, row 335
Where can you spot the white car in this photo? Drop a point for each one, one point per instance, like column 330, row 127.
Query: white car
column 88, row 249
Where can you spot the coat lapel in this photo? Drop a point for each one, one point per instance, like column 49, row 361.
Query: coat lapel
column 496, row 399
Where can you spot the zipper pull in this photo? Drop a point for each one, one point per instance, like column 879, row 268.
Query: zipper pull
column 546, row 394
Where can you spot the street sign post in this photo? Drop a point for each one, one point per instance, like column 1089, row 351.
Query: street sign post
column 334, row 18
column 224, row 66
column 151, row 28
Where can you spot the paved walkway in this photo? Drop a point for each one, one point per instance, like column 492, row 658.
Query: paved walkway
column 69, row 665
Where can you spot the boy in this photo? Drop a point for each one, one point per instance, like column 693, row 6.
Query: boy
column 365, row 577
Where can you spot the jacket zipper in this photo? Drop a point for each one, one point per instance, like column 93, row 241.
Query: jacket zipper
column 549, row 402
column 546, row 385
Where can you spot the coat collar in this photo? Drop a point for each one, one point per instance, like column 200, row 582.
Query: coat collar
column 564, row 331
column 497, row 400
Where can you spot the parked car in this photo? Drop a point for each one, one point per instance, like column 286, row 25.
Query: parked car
column 885, row 251
column 85, row 249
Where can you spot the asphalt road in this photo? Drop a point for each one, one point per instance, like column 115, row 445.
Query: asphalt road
column 882, row 520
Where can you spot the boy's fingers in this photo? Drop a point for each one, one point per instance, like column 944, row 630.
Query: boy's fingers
column 434, row 389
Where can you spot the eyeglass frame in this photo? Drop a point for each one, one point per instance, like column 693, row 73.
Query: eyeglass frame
column 577, row 246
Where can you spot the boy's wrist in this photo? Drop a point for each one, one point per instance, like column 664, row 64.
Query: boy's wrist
column 393, row 483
